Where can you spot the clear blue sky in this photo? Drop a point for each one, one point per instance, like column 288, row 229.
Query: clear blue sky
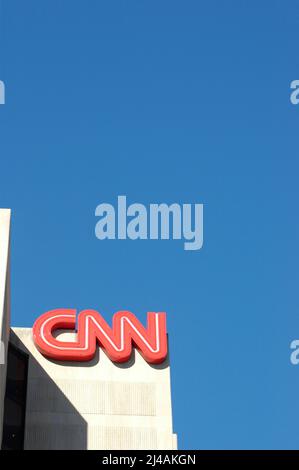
column 164, row 101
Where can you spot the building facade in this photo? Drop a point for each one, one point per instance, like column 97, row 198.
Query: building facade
column 99, row 404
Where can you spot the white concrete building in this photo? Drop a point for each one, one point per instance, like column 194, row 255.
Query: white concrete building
column 4, row 304
column 46, row 404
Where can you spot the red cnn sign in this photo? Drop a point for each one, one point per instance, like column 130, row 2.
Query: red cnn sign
column 92, row 329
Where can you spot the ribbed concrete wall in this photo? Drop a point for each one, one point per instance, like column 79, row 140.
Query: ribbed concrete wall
column 96, row 405
column 4, row 304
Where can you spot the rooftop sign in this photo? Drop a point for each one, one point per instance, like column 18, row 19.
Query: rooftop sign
column 92, row 329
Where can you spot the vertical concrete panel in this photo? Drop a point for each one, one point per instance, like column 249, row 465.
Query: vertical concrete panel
column 4, row 304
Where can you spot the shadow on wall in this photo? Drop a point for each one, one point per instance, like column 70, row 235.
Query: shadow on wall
column 120, row 365
column 51, row 422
